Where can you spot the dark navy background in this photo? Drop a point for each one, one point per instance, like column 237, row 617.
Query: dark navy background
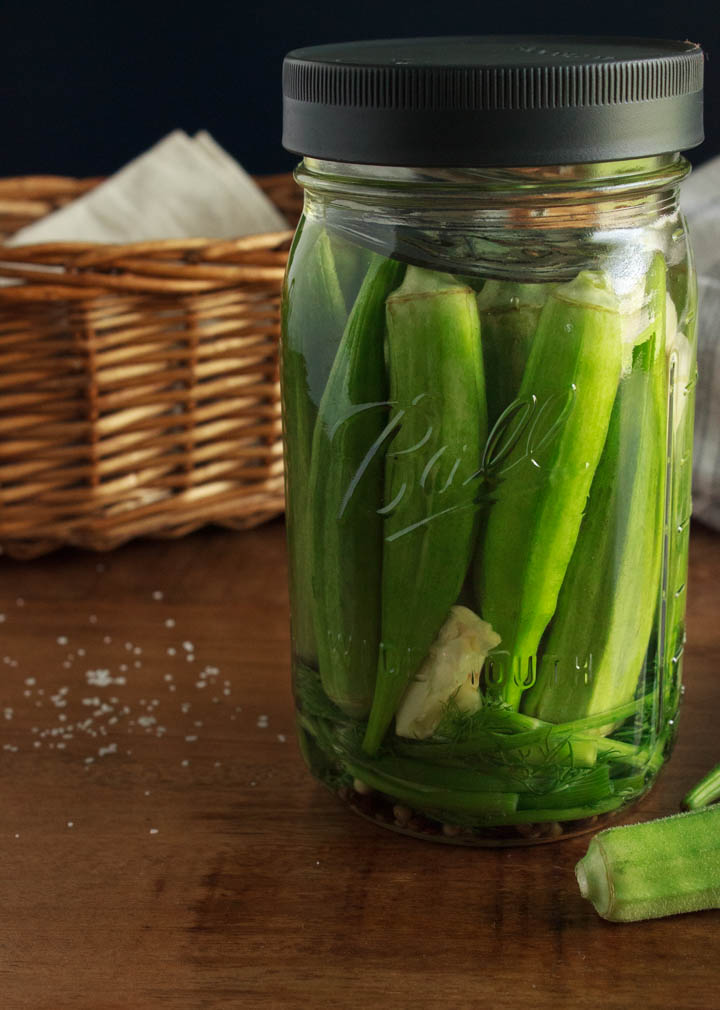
column 85, row 86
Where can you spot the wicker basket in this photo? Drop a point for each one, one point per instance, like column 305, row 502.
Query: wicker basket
column 139, row 386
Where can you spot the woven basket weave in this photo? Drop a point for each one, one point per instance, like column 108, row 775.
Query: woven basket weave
column 139, row 388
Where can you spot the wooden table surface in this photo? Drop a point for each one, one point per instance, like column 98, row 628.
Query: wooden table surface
column 163, row 846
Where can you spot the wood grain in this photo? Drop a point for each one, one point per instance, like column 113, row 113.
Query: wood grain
column 205, row 869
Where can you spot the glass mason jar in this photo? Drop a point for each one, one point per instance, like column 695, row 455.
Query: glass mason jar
column 488, row 376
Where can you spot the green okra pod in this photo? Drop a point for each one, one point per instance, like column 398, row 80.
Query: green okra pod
column 594, row 653
column 706, row 791
column 314, row 317
column 509, row 313
column 653, row 869
column 346, row 495
column 437, row 392
column 542, row 482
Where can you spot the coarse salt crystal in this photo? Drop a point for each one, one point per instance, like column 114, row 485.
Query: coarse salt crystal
column 158, row 594
column 169, row 623
column 188, row 647
column 62, row 640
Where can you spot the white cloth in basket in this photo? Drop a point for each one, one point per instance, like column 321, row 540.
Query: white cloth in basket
column 182, row 187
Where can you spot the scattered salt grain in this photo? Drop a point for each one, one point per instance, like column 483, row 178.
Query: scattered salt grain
column 188, row 647
column 262, row 722
column 190, row 739
column 3, row 618
column 62, row 640
column 185, row 763
column 107, row 639
column 281, row 738
column 171, row 651
column 20, row 602
column 71, row 824
column 200, row 684
column 93, row 618
column 169, row 623
column 110, row 749
column 99, row 678
column 153, row 831
column 137, row 651
column 158, row 594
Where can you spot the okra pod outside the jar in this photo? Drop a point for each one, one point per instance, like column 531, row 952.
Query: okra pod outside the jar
column 346, row 494
column 706, row 791
column 314, row 316
column 653, row 869
column 437, row 392
column 597, row 642
column 542, row 483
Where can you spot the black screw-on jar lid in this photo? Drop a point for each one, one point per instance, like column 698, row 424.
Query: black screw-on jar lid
column 493, row 100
